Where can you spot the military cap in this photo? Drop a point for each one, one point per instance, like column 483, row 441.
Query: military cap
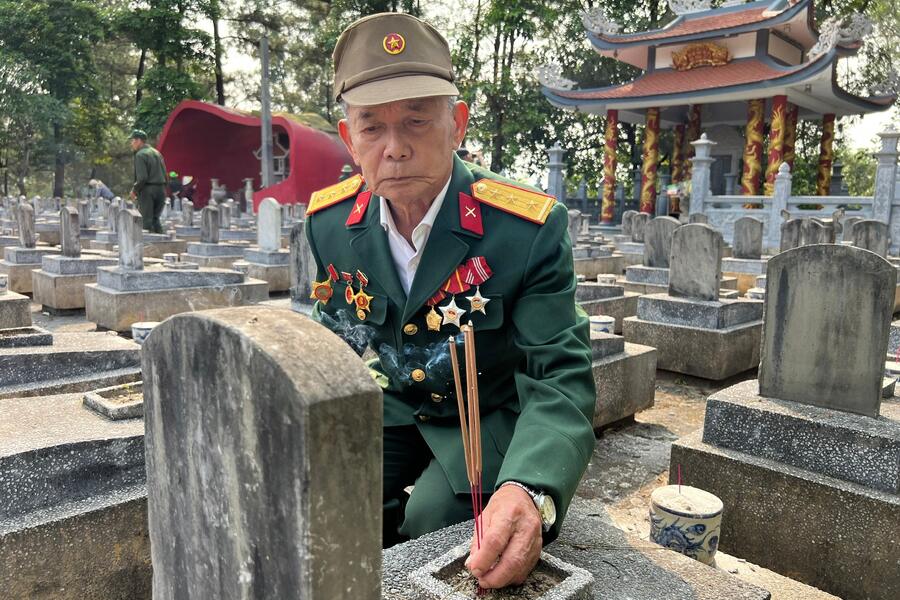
column 391, row 56
column 138, row 134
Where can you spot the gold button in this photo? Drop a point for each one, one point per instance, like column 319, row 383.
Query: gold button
column 436, row 397
column 410, row 329
column 418, row 375
column 424, row 418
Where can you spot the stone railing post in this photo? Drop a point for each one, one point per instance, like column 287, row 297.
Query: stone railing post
column 885, row 176
column 555, row 181
column 701, row 165
column 780, row 198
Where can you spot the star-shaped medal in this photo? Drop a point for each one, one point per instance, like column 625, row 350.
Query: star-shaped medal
column 452, row 313
column 477, row 301
column 321, row 291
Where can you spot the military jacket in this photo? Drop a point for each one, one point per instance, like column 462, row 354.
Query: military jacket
column 149, row 168
column 536, row 387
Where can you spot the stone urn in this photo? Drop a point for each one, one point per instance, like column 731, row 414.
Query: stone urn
column 602, row 324
column 687, row 520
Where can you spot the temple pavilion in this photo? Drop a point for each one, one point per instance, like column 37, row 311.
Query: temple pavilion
column 735, row 65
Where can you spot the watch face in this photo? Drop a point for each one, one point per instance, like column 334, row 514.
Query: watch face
column 548, row 511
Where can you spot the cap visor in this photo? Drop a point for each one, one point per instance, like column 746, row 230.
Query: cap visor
column 398, row 88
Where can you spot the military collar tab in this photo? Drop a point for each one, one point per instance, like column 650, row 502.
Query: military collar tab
column 470, row 215
column 360, row 205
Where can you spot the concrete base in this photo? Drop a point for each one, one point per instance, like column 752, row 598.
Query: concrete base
column 74, row 361
column 625, row 383
column 618, row 307
column 714, row 354
column 599, row 265
column 744, row 271
column 837, row 536
column 277, row 276
column 19, row 276
column 151, row 249
column 116, row 310
column 212, row 262
column 15, row 311
column 728, row 284
column 60, row 292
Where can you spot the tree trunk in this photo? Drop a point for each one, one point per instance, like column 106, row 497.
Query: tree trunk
column 59, row 171
column 217, row 50
column 140, row 73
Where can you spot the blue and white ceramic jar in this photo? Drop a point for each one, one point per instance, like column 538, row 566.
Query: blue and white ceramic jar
column 4, row 284
column 687, row 520
column 602, row 324
column 140, row 331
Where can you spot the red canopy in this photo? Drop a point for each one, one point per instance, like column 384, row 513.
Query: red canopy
column 206, row 140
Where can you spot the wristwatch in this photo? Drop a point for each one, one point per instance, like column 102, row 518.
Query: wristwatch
column 544, row 503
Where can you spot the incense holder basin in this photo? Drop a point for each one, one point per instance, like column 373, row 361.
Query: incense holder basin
column 688, row 521
column 430, row 581
column 602, row 324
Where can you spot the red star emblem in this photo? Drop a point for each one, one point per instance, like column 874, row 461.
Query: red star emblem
column 393, row 43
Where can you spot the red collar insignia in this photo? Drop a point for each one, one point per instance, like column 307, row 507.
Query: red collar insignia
column 359, row 208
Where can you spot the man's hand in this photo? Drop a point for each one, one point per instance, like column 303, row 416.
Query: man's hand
column 132, row 195
column 511, row 542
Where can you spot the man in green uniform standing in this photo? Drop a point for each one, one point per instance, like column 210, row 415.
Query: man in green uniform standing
column 421, row 243
column 149, row 181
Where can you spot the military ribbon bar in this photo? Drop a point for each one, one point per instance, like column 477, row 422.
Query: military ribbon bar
column 332, row 273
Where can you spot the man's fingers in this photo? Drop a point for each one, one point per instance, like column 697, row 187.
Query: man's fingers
column 494, row 540
column 516, row 562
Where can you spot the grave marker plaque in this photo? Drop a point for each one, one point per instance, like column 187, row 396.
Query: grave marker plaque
column 638, row 225
column 658, row 241
column 695, row 266
column 69, row 232
column 872, row 235
column 209, row 224
column 748, row 238
column 268, row 225
column 25, row 223
column 131, row 240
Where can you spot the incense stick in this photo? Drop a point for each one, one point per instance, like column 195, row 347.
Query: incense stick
column 469, row 422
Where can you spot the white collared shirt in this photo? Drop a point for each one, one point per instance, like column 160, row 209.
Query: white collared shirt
column 406, row 257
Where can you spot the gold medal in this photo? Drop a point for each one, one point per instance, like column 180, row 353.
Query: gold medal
column 433, row 320
column 361, row 314
column 363, row 300
column 322, row 291
column 478, row 302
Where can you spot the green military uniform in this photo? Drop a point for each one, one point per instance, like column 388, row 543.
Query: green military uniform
column 537, row 392
column 150, row 186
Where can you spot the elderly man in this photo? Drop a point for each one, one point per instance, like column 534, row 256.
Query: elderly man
column 421, row 243
column 149, row 181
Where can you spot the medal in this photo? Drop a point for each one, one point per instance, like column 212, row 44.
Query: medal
column 452, row 313
column 433, row 320
column 349, row 293
column 362, row 300
column 477, row 302
column 322, row 291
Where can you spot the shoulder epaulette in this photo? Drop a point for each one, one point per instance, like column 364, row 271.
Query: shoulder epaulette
column 532, row 206
column 334, row 194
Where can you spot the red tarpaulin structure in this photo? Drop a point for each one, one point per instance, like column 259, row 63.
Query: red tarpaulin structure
column 209, row 141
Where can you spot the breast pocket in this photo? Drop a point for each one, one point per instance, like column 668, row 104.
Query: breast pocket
column 492, row 318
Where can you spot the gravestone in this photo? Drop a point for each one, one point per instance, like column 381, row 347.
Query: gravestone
column 69, row 239
column 827, row 349
column 748, row 238
column 872, row 235
column 815, row 231
column 299, row 212
column 848, row 224
column 187, row 213
column 268, row 226
column 574, row 225
column 209, row 224
column 698, row 218
column 131, row 240
column 791, row 234
column 84, row 213
column 25, row 223
column 112, row 217
column 638, row 225
column 627, row 218
column 658, row 241
column 695, row 263
column 302, row 269
column 296, row 452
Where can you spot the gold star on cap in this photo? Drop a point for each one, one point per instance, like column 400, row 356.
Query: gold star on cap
column 477, row 301
column 452, row 313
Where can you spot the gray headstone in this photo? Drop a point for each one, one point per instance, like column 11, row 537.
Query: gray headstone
column 695, row 266
column 131, row 240
column 748, row 238
column 574, row 225
column 69, row 232
column 849, row 223
column 816, row 231
column 791, row 234
column 25, row 223
column 268, row 225
column 263, row 438
column 627, row 218
column 209, row 224
column 658, row 241
column 825, row 334
column 112, row 217
column 872, row 235
column 84, row 213
column 698, row 218
column 638, row 226
column 303, row 266
column 187, row 213
column 224, row 215
column 300, row 212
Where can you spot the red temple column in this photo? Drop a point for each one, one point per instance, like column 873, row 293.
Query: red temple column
column 678, row 155
column 753, row 148
column 790, row 135
column 777, row 126
column 826, row 156
column 611, row 142
column 651, row 157
column 693, row 134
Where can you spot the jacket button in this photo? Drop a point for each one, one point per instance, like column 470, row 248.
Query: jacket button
column 418, row 375
column 410, row 329
column 424, row 418
column 436, row 397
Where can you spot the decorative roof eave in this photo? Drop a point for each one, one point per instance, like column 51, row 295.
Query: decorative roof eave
column 610, row 42
column 792, row 76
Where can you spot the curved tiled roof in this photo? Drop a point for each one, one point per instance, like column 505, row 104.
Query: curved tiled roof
column 688, row 26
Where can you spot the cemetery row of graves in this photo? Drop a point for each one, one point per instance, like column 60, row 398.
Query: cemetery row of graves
column 192, row 441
